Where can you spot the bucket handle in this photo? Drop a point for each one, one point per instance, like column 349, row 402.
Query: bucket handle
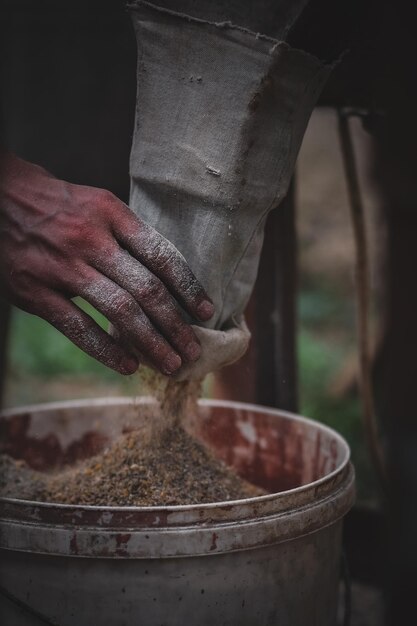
column 42, row 619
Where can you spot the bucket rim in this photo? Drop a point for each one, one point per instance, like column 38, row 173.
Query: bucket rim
column 132, row 400
column 177, row 531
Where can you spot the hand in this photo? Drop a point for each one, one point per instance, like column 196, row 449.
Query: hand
column 59, row 240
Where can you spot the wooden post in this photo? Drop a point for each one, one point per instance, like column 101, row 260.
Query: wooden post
column 267, row 374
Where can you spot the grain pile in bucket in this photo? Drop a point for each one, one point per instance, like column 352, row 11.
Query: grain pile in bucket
column 165, row 466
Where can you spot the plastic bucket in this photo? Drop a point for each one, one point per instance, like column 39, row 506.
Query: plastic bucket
column 270, row 560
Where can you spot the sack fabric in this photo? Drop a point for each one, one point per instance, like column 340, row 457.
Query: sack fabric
column 221, row 114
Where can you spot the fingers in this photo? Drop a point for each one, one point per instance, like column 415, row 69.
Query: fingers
column 122, row 310
column 155, row 300
column 82, row 330
column 163, row 259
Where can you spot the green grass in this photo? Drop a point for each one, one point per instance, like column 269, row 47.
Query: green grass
column 323, row 307
column 38, row 349
column 319, row 359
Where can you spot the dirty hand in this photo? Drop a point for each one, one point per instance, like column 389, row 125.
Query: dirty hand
column 59, row 240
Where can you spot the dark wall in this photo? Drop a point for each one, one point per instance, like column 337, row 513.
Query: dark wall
column 68, row 88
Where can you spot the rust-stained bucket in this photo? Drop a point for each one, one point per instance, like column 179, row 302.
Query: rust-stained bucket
column 267, row 560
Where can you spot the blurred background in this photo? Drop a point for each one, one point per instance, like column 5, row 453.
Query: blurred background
column 43, row 365
column 68, row 97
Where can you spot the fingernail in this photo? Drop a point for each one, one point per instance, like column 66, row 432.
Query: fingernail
column 129, row 365
column 205, row 310
column 171, row 363
column 192, row 351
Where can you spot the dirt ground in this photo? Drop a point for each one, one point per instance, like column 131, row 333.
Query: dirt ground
column 324, row 224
